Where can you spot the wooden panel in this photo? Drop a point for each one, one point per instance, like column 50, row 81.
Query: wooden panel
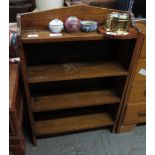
column 102, row 3
column 122, row 107
column 141, row 65
column 138, row 92
column 27, row 91
column 13, row 85
column 74, row 100
column 14, row 104
column 40, row 20
column 135, row 113
column 141, row 25
column 43, row 36
column 12, row 124
column 16, row 138
column 74, row 123
column 18, row 148
column 127, row 128
column 143, row 51
column 74, row 71
column 20, row 110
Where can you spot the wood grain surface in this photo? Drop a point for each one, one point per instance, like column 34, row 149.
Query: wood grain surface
column 74, row 71
column 13, row 84
column 75, row 123
column 136, row 113
column 74, row 100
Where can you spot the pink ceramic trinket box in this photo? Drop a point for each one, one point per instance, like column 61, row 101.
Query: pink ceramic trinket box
column 72, row 24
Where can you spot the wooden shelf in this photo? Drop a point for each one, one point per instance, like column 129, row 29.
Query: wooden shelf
column 74, row 100
column 43, row 36
column 72, row 71
column 130, row 35
column 74, row 123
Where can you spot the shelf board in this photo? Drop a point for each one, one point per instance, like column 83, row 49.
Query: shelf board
column 74, row 100
column 74, row 123
column 43, row 36
column 72, row 71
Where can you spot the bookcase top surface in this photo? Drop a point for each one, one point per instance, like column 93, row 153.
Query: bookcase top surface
column 34, row 26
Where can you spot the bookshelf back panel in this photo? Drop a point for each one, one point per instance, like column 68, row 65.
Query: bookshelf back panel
column 72, row 86
column 80, row 51
column 48, row 53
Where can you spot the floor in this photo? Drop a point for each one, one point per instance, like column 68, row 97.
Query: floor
column 100, row 142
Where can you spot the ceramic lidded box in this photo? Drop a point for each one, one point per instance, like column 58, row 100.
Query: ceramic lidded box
column 72, row 24
column 56, row 26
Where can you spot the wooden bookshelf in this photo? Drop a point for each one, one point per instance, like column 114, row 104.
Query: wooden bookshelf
column 74, row 123
column 55, row 71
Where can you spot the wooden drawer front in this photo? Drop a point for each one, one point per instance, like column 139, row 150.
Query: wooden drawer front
column 143, row 51
column 135, row 113
column 140, row 67
column 138, row 92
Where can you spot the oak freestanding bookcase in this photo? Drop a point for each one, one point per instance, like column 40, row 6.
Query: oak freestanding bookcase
column 76, row 81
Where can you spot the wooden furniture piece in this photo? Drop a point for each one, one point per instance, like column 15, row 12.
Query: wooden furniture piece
column 76, row 81
column 100, row 3
column 16, row 139
column 19, row 6
column 110, row 4
column 134, row 111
